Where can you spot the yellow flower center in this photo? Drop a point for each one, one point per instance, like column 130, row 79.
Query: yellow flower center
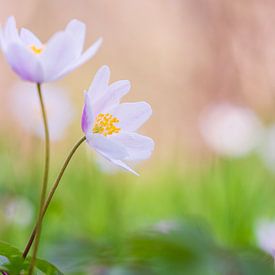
column 104, row 124
column 36, row 50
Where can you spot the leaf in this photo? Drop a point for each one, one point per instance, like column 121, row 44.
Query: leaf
column 7, row 250
column 47, row 267
column 13, row 262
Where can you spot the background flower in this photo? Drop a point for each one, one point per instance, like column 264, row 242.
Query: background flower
column 265, row 235
column 37, row 62
column 230, row 130
column 19, row 211
column 25, row 109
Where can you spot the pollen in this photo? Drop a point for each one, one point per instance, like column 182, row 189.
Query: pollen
column 36, row 50
column 105, row 124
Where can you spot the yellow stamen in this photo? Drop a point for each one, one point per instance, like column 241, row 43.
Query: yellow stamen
column 104, row 124
column 36, row 50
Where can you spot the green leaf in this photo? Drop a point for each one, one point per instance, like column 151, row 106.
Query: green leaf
column 7, row 250
column 47, row 268
column 13, row 262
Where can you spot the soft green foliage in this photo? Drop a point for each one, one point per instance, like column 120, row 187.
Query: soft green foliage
column 14, row 264
column 168, row 221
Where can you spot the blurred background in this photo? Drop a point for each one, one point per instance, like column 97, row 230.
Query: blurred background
column 204, row 203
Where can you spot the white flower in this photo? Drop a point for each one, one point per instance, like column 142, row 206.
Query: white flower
column 19, row 211
column 24, row 103
column 37, row 62
column 110, row 127
column 166, row 226
column 230, row 130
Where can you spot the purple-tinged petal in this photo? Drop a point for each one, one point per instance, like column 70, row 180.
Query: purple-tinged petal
column 87, row 115
column 78, row 30
column 107, row 147
column 88, row 54
column 112, row 96
column 24, row 63
column 132, row 115
column 29, row 39
column 59, row 53
column 139, row 147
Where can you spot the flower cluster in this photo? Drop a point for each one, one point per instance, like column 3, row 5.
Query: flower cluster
column 109, row 126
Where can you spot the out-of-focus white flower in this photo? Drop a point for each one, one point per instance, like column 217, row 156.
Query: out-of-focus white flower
column 26, row 109
column 165, row 226
column 267, row 147
column 19, row 211
column 265, row 235
column 230, row 130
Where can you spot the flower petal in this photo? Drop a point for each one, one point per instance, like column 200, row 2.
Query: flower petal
column 88, row 54
column 59, row 53
column 124, row 166
column 107, row 147
column 100, row 83
column 24, row 63
column 10, row 30
column 78, row 30
column 112, row 96
column 132, row 115
column 87, row 115
column 29, row 38
column 139, row 147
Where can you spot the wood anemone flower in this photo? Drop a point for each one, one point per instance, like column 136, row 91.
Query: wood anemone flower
column 110, row 126
column 39, row 63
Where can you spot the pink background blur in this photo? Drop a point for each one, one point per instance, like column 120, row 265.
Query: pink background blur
column 180, row 55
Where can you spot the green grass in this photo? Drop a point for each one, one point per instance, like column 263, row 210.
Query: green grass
column 101, row 220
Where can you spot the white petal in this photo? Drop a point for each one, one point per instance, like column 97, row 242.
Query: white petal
column 87, row 115
column 124, row 166
column 88, row 54
column 100, row 83
column 10, row 30
column 139, row 147
column 29, row 38
column 112, row 96
column 107, row 147
column 24, row 63
column 112, row 165
column 59, row 53
column 118, row 89
column 78, row 30
column 132, row 115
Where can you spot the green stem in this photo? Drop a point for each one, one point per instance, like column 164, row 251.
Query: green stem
column 45, row 179
column 50, row 196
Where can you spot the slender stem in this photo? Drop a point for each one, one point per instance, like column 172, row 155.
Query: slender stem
column 45, row 178
column 50, row 196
